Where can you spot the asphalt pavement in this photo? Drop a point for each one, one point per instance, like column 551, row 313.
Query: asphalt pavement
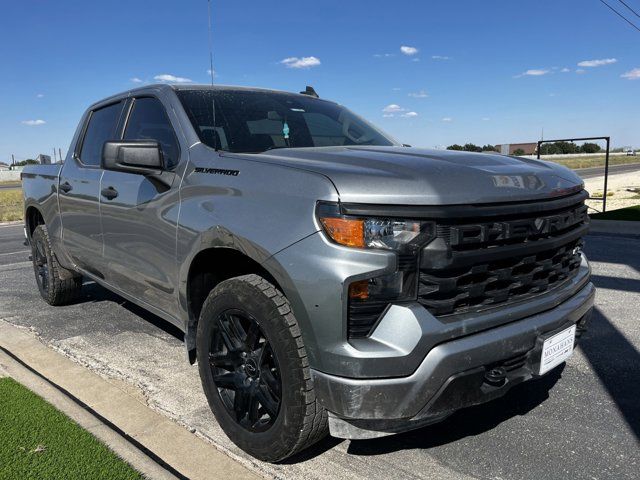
column 580, row 421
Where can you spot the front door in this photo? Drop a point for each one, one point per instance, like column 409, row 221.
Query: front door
column 139, row 215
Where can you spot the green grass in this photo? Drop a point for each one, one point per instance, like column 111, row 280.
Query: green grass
column 39, row 442
column 629, row 213
column 11, row 205
column 593, row 161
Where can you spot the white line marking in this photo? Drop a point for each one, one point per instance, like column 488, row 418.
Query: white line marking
column 14, row 253
column 21, row 264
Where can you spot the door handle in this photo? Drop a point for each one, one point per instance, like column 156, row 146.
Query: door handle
column 109, row 193
column 66, row 187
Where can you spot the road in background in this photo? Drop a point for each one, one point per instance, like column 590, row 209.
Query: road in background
column 594, row 172
column 580, row 421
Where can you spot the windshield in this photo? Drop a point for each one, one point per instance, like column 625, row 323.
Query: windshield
column 255, row 121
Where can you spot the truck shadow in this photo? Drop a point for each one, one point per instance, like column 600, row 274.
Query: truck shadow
column 92, row 292
column 616, row 362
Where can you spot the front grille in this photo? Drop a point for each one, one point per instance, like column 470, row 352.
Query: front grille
column 497, row 260
column 445, row 292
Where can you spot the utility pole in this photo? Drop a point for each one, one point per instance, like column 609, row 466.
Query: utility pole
column 60, row 154
column 54, row 154
column 13, row 160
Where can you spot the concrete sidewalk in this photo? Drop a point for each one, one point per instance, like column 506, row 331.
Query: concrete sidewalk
column 114, row 413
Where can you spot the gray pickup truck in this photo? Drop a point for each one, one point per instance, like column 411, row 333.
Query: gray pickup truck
column 326, row 277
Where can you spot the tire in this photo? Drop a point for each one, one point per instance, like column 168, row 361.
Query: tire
column 57, row 285
column 272, row 414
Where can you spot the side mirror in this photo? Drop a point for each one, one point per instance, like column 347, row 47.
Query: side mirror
column 143, row 157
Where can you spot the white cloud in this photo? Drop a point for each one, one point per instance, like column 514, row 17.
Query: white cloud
column 396, row 89
column 597, row 63
column 40, row 95
column 300, row 62
column 136, row 80
column 580, row 71
column 215, row 74
column 447, row 119
column 485, row 119
column 165, row 77
column 565, row 70
column 440, row 57
column 408, row 50
column 410, row 114
column 632, row 74
column 380, row 55
column 533, row 72
column 393, row 108
column 420, row 94
column 33, row 123
column 388, row 115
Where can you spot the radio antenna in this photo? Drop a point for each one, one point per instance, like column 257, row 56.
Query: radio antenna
column 213, row 104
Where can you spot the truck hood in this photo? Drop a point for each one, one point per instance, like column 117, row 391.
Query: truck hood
column 413, row 176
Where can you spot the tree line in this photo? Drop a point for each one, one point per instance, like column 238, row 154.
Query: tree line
column 470, row 147
column 545, row 149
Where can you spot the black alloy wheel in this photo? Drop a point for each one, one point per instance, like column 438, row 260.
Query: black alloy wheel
column 245, row 370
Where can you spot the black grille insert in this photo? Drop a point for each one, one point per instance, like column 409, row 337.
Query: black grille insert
column 481, row 285
column 491, row 261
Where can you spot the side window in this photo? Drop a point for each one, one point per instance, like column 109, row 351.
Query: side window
column 102, row 127
column 148, row 121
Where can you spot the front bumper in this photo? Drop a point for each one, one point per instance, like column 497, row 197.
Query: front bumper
column 452, row 375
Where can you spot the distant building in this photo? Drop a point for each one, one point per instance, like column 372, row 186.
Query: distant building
column 44, row 159
column 510, row 148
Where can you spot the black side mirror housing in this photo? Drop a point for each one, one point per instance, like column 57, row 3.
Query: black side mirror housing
column 136, row 156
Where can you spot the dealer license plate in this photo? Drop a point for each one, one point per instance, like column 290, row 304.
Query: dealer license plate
column 557, row 349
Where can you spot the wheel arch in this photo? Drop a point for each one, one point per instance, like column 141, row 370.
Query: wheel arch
column 207, row 269
column 32, row 218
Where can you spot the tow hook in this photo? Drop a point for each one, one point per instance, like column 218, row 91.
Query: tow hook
column 496, row 377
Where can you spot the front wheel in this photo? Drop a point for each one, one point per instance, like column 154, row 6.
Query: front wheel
column 254, row 370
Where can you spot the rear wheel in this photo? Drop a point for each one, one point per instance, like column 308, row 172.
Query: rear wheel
column 57, row 285
column 255, row 372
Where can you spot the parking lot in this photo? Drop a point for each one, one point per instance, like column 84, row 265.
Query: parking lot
column 580, row 421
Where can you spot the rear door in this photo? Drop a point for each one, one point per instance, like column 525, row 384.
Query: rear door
column 139, row 214
column 79, row 189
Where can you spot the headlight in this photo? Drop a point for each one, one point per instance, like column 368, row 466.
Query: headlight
column 400, row 235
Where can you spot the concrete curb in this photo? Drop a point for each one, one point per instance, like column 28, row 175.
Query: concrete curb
column 151, row 443
column 121, row 447
column 614, row 226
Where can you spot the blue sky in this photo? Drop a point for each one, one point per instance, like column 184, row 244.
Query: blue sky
column 486, row 72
